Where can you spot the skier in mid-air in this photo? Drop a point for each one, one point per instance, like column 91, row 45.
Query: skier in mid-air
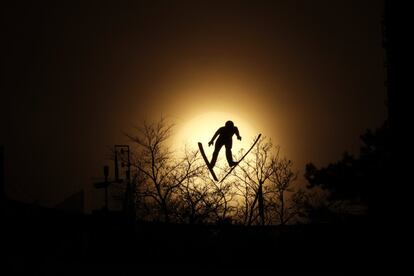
column 225, row 135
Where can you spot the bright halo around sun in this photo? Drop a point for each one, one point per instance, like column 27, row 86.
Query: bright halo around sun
column 201, row 128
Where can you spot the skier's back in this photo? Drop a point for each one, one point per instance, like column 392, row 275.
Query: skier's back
column 225, row 135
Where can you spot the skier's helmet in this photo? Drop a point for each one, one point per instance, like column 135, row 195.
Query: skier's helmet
column 229, row 124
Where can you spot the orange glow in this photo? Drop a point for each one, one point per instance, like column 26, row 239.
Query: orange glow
column 201, row 128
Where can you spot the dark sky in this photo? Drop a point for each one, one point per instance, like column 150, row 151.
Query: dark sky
column 308, row 74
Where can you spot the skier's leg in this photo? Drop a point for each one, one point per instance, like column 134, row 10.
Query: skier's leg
column 215, row 154
column 229, row 154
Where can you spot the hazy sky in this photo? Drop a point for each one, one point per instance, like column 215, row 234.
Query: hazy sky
column 308, row 74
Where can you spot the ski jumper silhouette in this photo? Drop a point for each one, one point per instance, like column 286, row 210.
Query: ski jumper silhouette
column 225, row 135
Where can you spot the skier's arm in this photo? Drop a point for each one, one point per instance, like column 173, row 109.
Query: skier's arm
column 214, row 137
column 237, row 133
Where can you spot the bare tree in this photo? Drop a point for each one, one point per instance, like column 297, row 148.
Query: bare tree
column 171, row 186
column 192, row 207
column 255, row 172
column 204, row 201
column 222, row 198
column 281, row 183
column 264, row 181
column 163, row 173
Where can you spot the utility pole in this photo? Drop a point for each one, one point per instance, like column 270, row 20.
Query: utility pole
column 128, row 199
column 128, row 202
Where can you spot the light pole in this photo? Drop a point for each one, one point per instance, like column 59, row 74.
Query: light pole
column 127, row 204
column 128, row 192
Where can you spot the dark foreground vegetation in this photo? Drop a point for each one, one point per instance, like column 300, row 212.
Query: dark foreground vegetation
column 47, row 240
